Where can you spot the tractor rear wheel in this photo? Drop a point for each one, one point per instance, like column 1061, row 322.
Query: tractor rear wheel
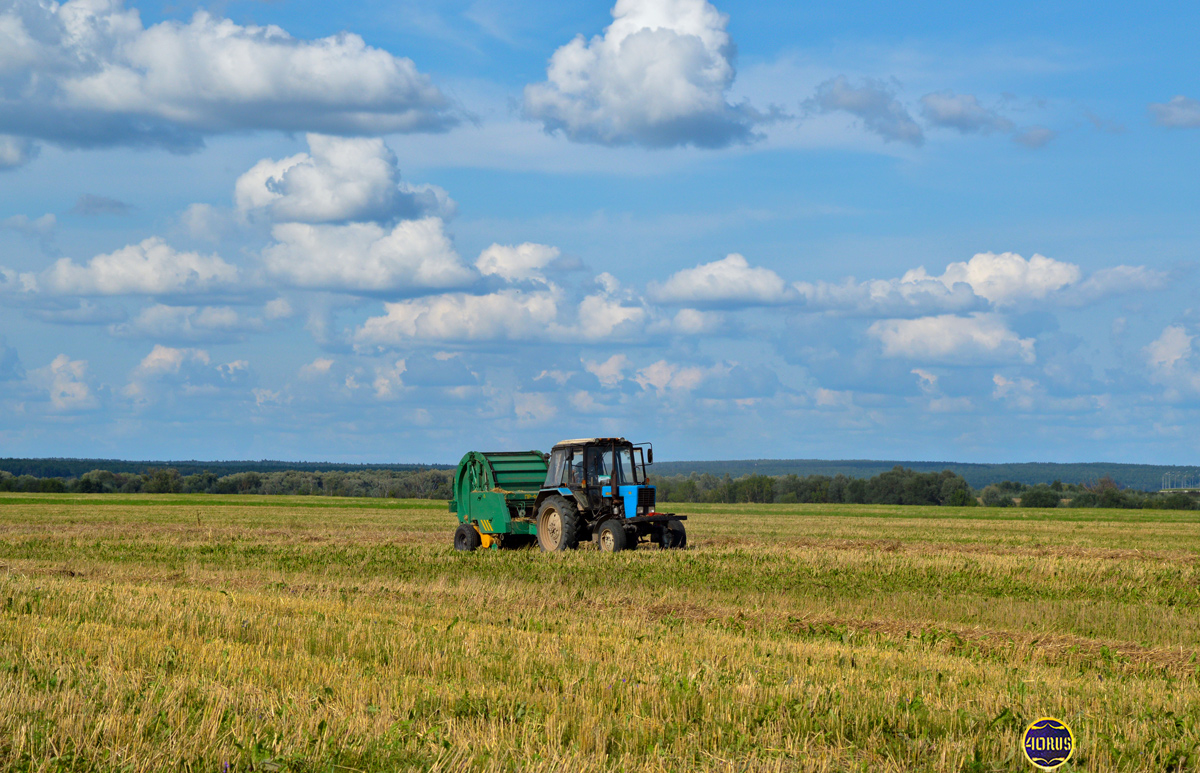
column 466, row 538
column 674, row 536
column 558, row 525
column 611, row 537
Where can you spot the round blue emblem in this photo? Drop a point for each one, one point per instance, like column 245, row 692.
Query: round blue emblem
column 1048, row 743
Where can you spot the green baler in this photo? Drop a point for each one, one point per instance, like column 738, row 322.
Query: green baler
column 494, row 497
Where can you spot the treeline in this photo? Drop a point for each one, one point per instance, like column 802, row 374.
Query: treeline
column 1104, row 492
column 1147, row 477
column 897, row 486
column 75, row 468
column 901, row 486
column 405, row 484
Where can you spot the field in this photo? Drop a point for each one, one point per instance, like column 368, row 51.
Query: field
column 214, row 633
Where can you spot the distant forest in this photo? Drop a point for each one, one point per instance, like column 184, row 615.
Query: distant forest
column 1144, row 477
column 898, row 485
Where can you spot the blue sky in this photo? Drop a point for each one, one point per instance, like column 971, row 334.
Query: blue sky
column 399, row 231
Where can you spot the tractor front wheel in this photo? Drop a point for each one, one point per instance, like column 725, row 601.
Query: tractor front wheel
column 611, row 536
column 466, row 538
column 558, row 525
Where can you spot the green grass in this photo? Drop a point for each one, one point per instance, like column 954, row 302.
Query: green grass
column 300, row 633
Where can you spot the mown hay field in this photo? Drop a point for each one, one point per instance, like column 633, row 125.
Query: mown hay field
column 207, row 633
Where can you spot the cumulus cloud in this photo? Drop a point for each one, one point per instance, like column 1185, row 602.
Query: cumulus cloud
column 1006, row 279
column 664, row 376
column 657, row 77
column 187, row 323
column 315, row 369
column 150, row 268
column 366, row 257
column 40, row 228
column 164, row 360
column 513, row 264
column 65, row 383
column 509, row 314
column 1116, row 280
column 874, row 103
column 963, row 113
column 338, row 180
column 730, row 281
column 1172, row 362
column 980, row 337
column 1179, row 113
column 910, row 296
column 15, row 151
column 611, row 372
column 187, row 369
column 88, row 72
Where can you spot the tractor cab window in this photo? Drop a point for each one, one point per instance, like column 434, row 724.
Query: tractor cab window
column 626, row 472
column 556, row 471
column 599, row 466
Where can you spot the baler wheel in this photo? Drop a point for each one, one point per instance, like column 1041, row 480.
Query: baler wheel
column 558, row 525
column 674, row 535
column 611, row 536
column 466, row 538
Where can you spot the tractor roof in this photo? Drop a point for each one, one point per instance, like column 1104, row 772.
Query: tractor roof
column 591, row 441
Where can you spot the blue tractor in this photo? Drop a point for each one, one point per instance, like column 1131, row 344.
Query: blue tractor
column 596, row 489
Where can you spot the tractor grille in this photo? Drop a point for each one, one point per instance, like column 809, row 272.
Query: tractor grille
column 646, row 500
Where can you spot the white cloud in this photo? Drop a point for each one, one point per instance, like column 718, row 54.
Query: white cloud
column 318, row 367
column 187, row 323
column 1021, row 393
column 87, row 72
column 40, row 228
column 657, row 77
column 15, row 151
column 952, row 339
column 729, row 281
column 874, row 103
column 1170, row 349
column 366, row 257
column 694, row 322
column 508, row 314
column 279, row 308
column 1006, row 279
column 531, row 407
column 204, row 221
column 165, row 360
column 1117, row 280
column 65, row 382
column 665, row 376
column 149, row 268
column 1180, row 113
column 611, row 372
column 338, row 180
column 604, row 316
column 513, row 264
column 388, row 380
column 912, row 295
column 963, row 113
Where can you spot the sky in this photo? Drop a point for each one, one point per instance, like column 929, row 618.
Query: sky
column 398, row 232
